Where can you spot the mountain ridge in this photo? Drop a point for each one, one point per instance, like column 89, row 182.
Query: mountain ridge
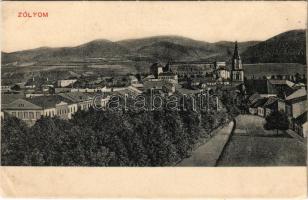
column 170, row 47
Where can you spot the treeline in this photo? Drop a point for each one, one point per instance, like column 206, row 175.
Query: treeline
column 288, row 47
column 115, row 138
column 105, row 138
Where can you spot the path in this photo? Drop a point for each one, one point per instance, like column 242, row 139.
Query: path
column 208, row 153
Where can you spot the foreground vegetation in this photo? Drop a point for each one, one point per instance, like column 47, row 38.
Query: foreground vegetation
column 112, row 138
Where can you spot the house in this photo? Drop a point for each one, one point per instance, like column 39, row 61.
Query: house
column 222, row 73
column 156, row 69
column 83, row 100
column 192, row 68
column 296, row 103
column 168, row 76
column 262, row 87
column 283, row 87
column 300, row 125
column 158, row 84
column 270, row 106
column 5, row 88
column 133, row 80
column 30, row 84
column 253, row 98
column 219, row 64
column 24, row 110
column 149, row 77
column 55, row 106
column 256, row 108
column 47, row 88
column 65, row 83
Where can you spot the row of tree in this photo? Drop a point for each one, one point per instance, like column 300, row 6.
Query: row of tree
column 108, row 138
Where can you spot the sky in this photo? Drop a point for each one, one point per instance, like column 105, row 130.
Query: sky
column 75, row 23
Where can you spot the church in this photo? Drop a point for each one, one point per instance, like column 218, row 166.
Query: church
column 194, row 70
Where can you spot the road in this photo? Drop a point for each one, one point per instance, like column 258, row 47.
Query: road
column 251, row 145
column 208, row 153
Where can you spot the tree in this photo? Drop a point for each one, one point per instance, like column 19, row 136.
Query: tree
column 16, row 87
column 14, row 143
column 277, row 120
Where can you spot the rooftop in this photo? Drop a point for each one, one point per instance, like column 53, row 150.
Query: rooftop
column 282, row 82
column 8, row 98
column 301, row 119
column 259, row 102
column 76, row 96
column 48, row 101
column 298, row 93
column 260, row 86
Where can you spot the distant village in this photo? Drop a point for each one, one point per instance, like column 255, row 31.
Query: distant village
column 30, row 100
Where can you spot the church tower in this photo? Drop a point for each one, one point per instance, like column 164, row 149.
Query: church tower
column 237, row 73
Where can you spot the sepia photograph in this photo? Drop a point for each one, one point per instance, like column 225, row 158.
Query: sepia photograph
column 205, row 84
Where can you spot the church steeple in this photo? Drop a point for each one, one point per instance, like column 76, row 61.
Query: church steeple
column 236, row 54
column 237, row 73
column 236, row 59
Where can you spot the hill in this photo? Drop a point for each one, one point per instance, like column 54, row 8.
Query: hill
column 287, row 47
column 167, row 48
column 93, row 49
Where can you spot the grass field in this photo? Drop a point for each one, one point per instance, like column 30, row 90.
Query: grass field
column 251, row 145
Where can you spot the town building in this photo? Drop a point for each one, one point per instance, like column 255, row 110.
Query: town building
column 271, row 105
column 283, row 87
column 24, row 110
column 219, row 64
column 263, row 87
column 300, row 125
column 65, row 83
column 192, row 68
column 133, row 80
column 55, row 106
column 295, row 104
column 158, row 84
column 5, row 88
column 156, row 69
column 83, row 100
column 222, row 73
column 168, row 75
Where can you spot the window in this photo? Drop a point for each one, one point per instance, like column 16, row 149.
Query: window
column 20, row 115
column 38, row 115
column 14, row 114
column 31, row 115
column 26, row 115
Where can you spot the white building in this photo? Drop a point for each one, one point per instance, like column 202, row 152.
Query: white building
column 65, row 83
